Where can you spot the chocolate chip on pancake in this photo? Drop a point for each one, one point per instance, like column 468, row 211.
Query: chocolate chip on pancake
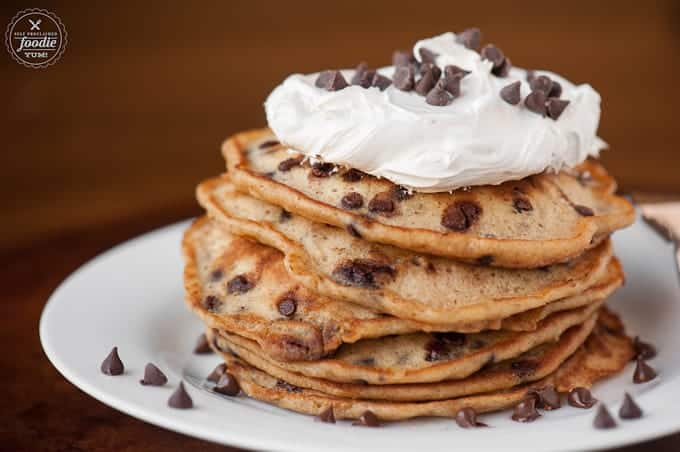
column 629, row 409
column 525, row 411
column 426, row 82
column 504, row 70
column 287, row 306
column 368, row 419
column 381, row 203
column 353, row 231
column 216, row 275
column 555, row 90
column 353, row 175
column 495, row 55
column 643, row 372
column 180, row 399
column 284, row 216
column 202, row 346
column 511, row 93
column 530, row 75
column 584, row 210
column 461, row 215
column 402, row 58
column 427, row 55
column 153, row 376
column 269, row 144
column 404, row 78
column 521, row 202
column 362, row 76
column 227, row 385
column 431, row 67
column 643, row 350
column 535, row 102
column 470, row 38
column 467, row 418
column 439, row 95
column 603, row 420
column 524, row 368
column 289, row 163
column 547, row 398
column 240, row 284
column 327, row 415
column 211, row 302
column 486, row 259
column 331, row 81
column 281, row 384
column 541, row 83
column 352, row 200
column 380, row 81
column 322, row 169
column 555, row 107
column 112, row 365
column 217, row 373
column 443, row 346
column 452, row 84
column 451, row 70
column 363, row 273
column 400, row 193
column 581, row 398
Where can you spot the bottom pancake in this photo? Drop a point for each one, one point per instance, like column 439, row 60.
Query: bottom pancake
column 605, row 352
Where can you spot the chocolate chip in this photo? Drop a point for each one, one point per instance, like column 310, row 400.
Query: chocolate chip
column 530, row 75
column 461, row 215
column 486, row 259
column 603, row 420
column 451, row 70
column 280, row 384
column 581, row 398
column 211, row 302
column 153, row 376
column 643, row 372
column 404, row 78
column 427, row 55
column 443, row 346
column 535, row 102
column 284, row 216
column 180, row 399
column 547, row 398
column 202, row 346
column 362, row 76
column 353, row 175
column 366, row 362
column 643, row 350
column 331, row 81
column 402, row 58
column 290, row 163
column 426, row 82
column 525, row 411
column 431, row 67
column 504, row 70
column 439, row 96
column 287, row 306
column 353, row 231
column 240, row 284
column 368, row 419
column 352, row 200
column 327, row 415
column 362, row 273
column 216, row 275
column 511, row 93
column 583, row 210
column 467, row 418
column 555, row 90
column 629, row 409
column 555, row 107
column 268, row 144
column 380, row 81
column 322, row 169
column 400, row 193
column 217, row 373
column 470, row 38
column 452, row 84
column 227, row 385
column 524, row 367
column 112, row 365
column 520, row 202
column 494, row 54
column 381, row 203
column 541, row 83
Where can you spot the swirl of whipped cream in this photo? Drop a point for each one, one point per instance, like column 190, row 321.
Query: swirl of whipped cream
column 478, row 139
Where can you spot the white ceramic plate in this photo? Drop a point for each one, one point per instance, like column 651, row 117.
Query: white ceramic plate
column 132, row 297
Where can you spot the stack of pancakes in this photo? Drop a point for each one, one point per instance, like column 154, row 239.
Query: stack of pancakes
column 323, row 287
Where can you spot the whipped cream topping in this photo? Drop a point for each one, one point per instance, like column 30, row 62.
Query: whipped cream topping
column 478, row 139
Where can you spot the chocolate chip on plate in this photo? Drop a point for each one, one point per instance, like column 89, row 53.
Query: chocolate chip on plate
column 461, row 215
column 368, row 419
column 555, row 107
column 439, row 95
column 548, row 398
column 581, row 398
column 217, row 373
column 541, row 83
column 511, row 93
column 327, row 415
column 180, row 399
column 202, row 346
column 112, row 365
column 427, row 55
column 404, row 78
column 467, row 418
column 153, row 376
column 525, row 411
column 643, row 350
column 331, row 81
column 470, row 38
column 240, row 284
column 352, row 200
column 643, row 372
column 287, row 306
column 629, row 409
column 535, row 102
column 227, row 385
column 603, row 420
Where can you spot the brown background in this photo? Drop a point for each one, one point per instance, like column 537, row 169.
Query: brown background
column 111, row 140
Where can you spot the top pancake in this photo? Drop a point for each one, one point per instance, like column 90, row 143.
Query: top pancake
column 534, row 222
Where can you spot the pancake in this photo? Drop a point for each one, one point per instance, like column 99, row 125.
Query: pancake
column 389, row 280
column 605, row 353
column 534, row 222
